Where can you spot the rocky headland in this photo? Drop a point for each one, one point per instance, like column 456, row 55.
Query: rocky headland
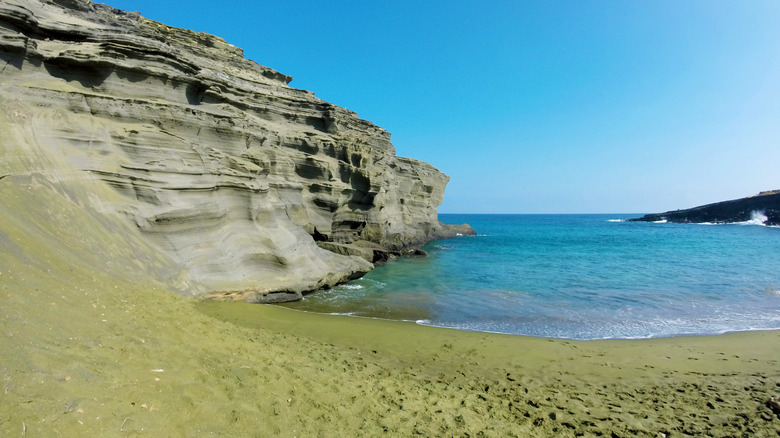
column 194, row 165
column 764, row 206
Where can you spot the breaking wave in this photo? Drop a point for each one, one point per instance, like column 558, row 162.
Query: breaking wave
column 756, row 218
column 577, row 277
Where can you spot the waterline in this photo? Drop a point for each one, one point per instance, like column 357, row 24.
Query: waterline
column 577, row 277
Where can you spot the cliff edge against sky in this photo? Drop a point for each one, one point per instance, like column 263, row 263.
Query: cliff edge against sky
column 190, row 163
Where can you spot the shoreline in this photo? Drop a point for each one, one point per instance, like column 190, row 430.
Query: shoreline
column 324, row 326
column 101, row 355
column 418, row 322
column 701, row 282
column 646, row 387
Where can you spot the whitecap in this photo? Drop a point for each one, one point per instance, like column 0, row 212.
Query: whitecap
column 375, row 284
column 616, row 220
column 662, row 221
column 756, row 218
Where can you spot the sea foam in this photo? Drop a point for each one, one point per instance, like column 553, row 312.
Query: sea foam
column 577, row 277
column 351, row 286
column 756, row 218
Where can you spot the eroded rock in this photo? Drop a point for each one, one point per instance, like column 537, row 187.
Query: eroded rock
column 256, row 190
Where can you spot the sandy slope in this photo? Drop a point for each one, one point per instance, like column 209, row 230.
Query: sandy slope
column 90, row 347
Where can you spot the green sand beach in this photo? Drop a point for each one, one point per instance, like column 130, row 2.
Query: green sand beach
column 124, row 360
column 143, row 165
column 92, row 348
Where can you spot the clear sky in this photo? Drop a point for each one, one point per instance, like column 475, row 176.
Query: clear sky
column 573, row 106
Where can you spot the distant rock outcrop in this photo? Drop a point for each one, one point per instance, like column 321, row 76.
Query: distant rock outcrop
column 764, row 207
column 252, row 189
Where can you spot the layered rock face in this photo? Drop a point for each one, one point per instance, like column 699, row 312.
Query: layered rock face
column 253, row 189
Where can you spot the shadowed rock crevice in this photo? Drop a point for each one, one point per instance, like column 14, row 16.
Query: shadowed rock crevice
column 194, row 93
column 251, row 189
column 88, row 74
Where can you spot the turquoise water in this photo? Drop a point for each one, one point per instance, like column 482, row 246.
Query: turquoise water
column 577, row 277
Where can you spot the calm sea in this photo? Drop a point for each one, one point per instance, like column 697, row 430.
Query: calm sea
column 577, row 277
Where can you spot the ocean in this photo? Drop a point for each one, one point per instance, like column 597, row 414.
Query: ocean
column 577, row 277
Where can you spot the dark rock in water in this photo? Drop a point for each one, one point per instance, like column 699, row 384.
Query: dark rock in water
column 461, row 230
column 765, row 207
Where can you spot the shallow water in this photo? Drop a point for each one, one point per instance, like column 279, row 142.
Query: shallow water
column 577, row 277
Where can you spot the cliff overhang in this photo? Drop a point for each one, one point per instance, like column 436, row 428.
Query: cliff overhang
column 241, row 186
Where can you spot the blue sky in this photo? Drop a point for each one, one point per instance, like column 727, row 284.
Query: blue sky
column 537, row 107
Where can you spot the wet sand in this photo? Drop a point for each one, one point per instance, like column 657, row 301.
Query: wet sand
column 125, row 360
column 88, row 347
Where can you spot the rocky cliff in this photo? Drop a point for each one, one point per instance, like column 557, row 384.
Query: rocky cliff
column 235, row 184
column 765, row 205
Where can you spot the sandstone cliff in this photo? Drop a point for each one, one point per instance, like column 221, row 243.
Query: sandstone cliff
column 765, row 205
column 234, row 184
